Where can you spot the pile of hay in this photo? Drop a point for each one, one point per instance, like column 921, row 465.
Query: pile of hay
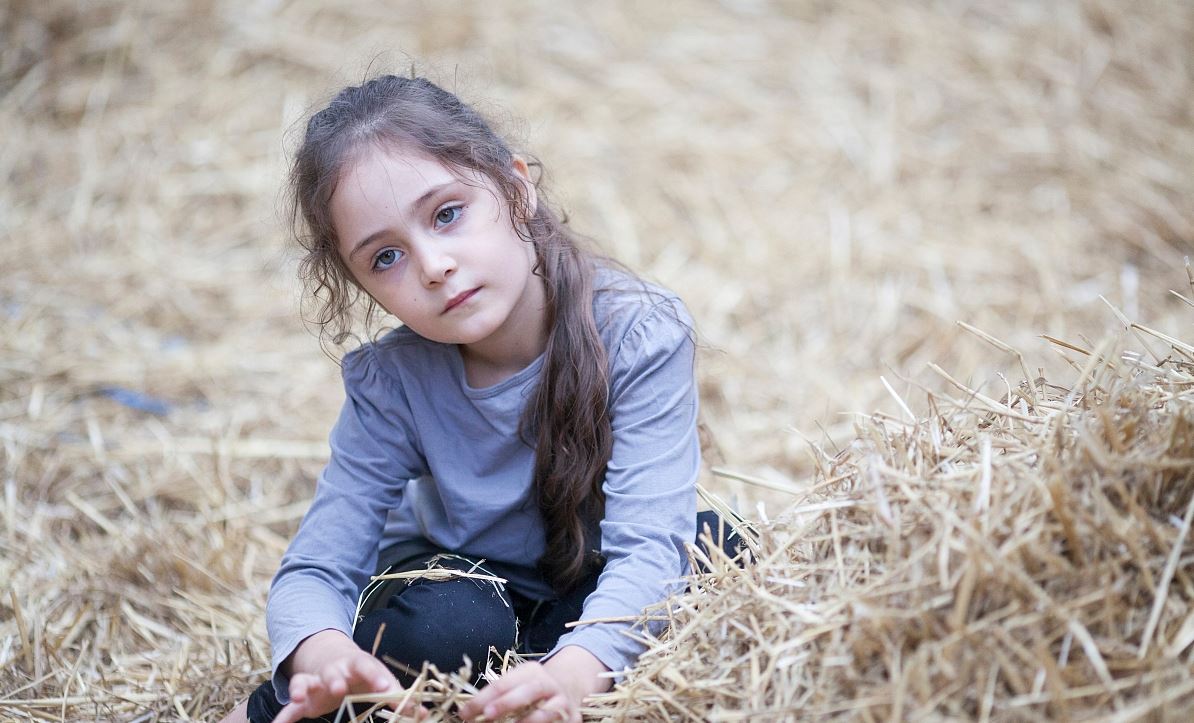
column 1025, row 558
column 829, row 186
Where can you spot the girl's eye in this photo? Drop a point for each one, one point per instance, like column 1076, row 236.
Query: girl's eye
column 385, row 259
column 448, row 214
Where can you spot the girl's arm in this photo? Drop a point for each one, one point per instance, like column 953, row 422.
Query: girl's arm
column 335, row 549
column 650, row 484
column 650, row 515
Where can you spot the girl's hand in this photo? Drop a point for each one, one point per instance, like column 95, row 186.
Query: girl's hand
column 342, row 670
column 529, row 687
column 550, row 691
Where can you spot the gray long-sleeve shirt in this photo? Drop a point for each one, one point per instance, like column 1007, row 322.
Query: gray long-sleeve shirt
column 417, row 452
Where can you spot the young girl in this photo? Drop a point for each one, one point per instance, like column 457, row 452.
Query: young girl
column 533, row 421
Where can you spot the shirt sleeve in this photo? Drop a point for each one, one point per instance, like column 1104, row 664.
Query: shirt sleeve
column 373, row 455
column 650, row 485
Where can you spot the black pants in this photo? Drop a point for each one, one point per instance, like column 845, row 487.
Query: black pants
column 409, row 622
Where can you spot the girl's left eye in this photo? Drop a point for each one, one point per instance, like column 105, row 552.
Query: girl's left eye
column 385, row 259
column 448, row 214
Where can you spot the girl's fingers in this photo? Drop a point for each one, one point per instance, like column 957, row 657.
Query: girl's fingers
column 341, row 675
column 519, row 696
column 300, row 708
column 288, row 714
column 336, row 686
column 302, row 687
column 376, row 677
column 490, row 693
column 313, row 695
column 473, row 708
column 553, row 710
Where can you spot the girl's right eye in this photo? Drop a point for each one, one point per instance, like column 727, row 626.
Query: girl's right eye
column 386, row 259
column 448, row 214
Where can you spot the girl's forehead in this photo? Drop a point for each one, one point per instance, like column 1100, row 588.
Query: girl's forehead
column 394, row 162
column 400, row 167
column 383, row 186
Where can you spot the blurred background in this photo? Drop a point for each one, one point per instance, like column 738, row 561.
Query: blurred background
column 831, row 187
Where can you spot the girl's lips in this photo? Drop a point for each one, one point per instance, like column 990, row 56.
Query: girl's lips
column 459, row 299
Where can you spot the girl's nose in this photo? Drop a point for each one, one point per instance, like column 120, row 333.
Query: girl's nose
column 436, row 265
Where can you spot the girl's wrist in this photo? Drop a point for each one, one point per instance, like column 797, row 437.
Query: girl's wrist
column 579, row 672
column 315, row 650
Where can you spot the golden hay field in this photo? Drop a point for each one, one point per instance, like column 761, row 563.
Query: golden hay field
column 831, row 187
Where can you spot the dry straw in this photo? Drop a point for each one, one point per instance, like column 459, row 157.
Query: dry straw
column 830, row 186
column 1027, row 558
column 1030, row 561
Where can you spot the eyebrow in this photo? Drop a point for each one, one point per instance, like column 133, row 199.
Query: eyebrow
column 418, row 202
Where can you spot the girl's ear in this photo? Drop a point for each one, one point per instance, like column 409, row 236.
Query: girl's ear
column 523, row 171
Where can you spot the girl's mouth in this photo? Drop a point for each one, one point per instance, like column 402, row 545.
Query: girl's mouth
column 459, row 299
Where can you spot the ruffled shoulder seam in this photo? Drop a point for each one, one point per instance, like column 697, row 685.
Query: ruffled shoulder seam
column 370, row 357
column 669, row 310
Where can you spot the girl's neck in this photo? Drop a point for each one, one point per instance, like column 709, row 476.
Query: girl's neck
column 514, row 347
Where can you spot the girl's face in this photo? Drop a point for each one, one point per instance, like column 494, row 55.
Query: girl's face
column 440, row 253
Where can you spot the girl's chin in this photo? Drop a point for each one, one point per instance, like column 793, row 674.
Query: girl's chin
column 458, row 338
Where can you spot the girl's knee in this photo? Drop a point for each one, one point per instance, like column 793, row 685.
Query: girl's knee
column 722, row 534
column 261, row 706
column 439, row 623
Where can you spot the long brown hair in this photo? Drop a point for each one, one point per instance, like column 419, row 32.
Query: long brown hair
column 567, row 418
